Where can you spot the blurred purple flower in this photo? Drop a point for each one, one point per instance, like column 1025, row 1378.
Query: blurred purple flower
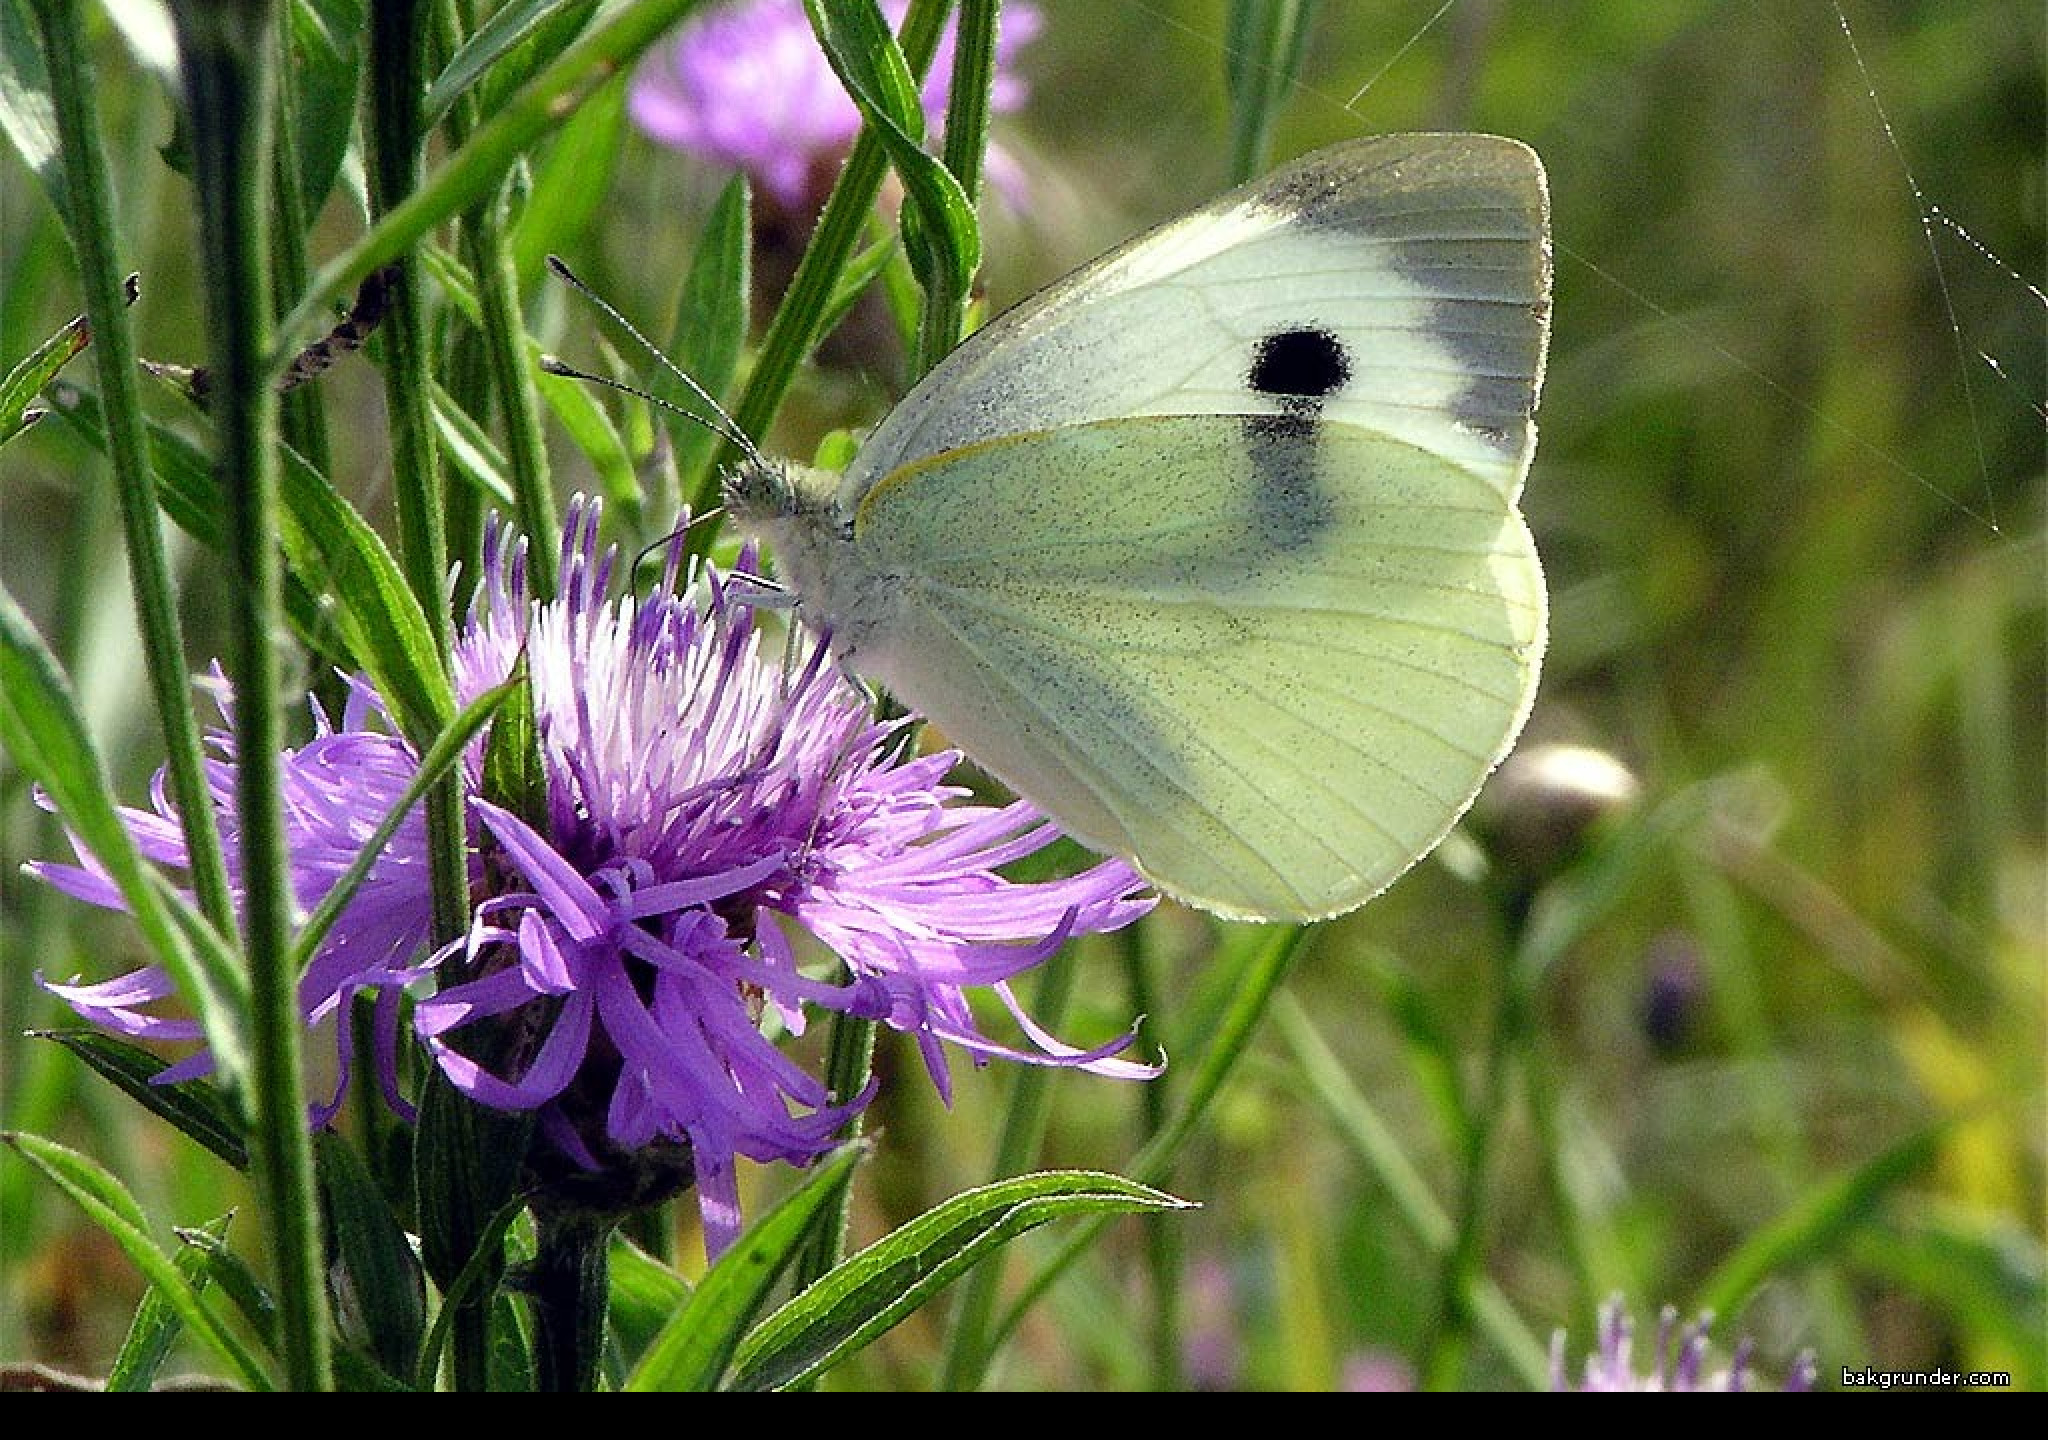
column 701, row 800
column 746, row 86
column 1680, row 1360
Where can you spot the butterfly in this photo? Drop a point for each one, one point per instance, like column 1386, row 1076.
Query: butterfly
column 1211, row 549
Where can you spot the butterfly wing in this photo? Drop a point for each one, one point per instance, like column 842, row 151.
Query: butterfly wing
column 1270, row 662
column 1424, row 257
column 1211, row 548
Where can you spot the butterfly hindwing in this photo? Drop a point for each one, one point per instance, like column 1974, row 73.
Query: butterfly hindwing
column 1272, row 702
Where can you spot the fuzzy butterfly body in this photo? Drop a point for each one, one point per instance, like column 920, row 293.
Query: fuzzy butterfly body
column 1211, row 549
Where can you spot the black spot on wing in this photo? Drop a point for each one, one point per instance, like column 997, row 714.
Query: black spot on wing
column 1297, row 365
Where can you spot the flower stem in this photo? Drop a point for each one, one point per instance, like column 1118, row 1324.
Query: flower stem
column 489, row 252
column 92, row 225
column 1018, row 1145
column 793, row 333
column 569, row 1282
column 397, row 52
column 1259, row 981
column 225, row 47
column 966, row 146
column 1449, row 1336
column 304, row 412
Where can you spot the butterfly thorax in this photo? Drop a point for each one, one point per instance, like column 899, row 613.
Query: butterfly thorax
column 796, row 509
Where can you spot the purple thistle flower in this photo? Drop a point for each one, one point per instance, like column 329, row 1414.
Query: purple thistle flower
column 746, row 87
column 701, row 801
column 1680, row 1360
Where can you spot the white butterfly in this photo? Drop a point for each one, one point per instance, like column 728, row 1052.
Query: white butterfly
column 1211, row 549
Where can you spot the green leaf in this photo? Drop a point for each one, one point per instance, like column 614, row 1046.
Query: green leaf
column 36, row 369
column 871, row 1291
column 644, row 1295
column 1820, row 1221
column 380, row 1292
column 594, row 434
column 156, row 1325
column 708, row 333
column 1262, row 53
column 940, row 230
column 469, row 448
column 571, row 181
column 195, row 1108
column 26, row 111
column 515, row 776
column 327, row 50
column 440, row 761
column 44, row 733
column 107, row 1203
column 378, row 616
column 522, row 34
column 251, row 1299
column 692, row 1351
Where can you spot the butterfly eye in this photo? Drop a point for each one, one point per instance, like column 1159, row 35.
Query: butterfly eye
column 1300, row 364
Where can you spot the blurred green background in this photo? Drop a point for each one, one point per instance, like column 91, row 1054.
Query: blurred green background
column 1790, row 499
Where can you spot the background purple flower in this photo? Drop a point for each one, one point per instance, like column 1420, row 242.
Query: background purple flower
column 746, row 87
column 1679, row 1361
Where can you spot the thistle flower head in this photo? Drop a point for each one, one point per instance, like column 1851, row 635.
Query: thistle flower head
column 636, row 946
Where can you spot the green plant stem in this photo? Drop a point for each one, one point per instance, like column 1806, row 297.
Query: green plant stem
column 848, row 1060
column 1258, row 983
column 1018, row 1146
column 304, row 411
column 1449, row 1338
column 1263, row 49
column 1163, row 1253
column 568, row 1282
column 470, row 175
column 92, row 225
column 526, row 455
column 793, row 332
column 397, row 53
column 966, row 147
column 224, row 50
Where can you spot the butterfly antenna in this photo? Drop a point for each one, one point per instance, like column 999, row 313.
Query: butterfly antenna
column 730, row 430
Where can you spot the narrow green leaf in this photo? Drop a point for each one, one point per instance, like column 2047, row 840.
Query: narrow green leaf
column 327, row 49
column 537, row 29
column 940, row 228
column 592, row 431
column 377, row 613
column 18, row 391
column 156, row 1325
column 871, row 1291
column 107, row 1203
column 1262, row 53
column 440, row 761
column 194, row 1108
column 381, row 1293
column 26, row 112
column 645, row 1295
column 570, row 182
column 44, row 733
column 1817, row 1223
column 469, row 448
column 708, row 333
column 515, row 776
column 472, row 1284
column 251, row 1298
column 692, row 1351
